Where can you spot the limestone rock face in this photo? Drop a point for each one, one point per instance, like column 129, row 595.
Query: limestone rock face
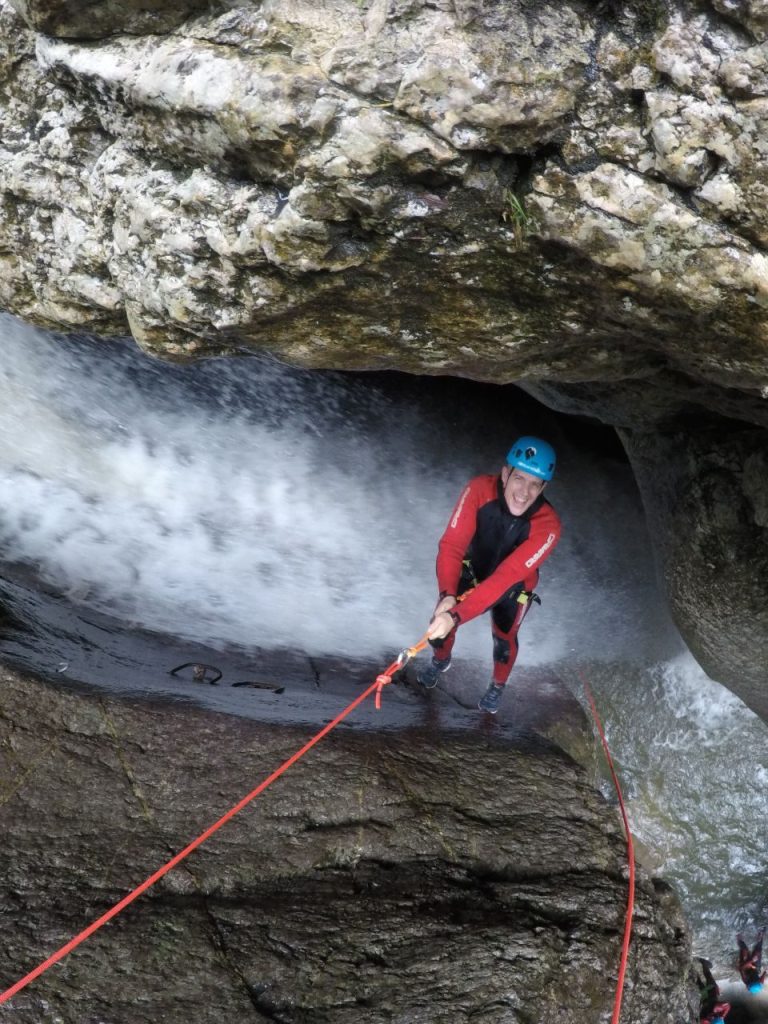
column 706, row 499
column 94, row 19
column 391, row 877
column 569, row 196
column 752, row 14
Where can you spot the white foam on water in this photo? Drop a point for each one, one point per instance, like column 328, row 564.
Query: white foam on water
column 193, row 520
column 693, row 760
column 242, row 502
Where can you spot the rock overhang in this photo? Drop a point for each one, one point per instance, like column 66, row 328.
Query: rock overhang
column 560, row 198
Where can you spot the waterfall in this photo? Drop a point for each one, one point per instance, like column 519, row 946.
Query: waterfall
column 240, row 502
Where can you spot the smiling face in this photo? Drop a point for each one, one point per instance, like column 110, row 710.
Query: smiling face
column 521, row 489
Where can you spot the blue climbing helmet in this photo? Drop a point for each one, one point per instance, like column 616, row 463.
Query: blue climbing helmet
column 756, row 986
column 533, row 455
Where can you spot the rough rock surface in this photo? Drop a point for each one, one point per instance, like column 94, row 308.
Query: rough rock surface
column 570, row 196
column 93, row 19
column 707, row 502
column 398, row 877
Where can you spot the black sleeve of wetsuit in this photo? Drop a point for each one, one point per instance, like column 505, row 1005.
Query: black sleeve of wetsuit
column 711, row 986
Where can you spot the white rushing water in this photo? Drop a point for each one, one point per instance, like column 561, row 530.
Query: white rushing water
column 240, row 502
column 693, row 762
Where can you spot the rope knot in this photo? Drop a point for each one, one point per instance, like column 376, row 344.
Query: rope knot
column 381, row 682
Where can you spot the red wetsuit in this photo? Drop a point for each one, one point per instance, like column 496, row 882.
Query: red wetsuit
column 751, row 961
column 485, row 544
column 719, row 1012
column 711, row 1008
column 722, row 1010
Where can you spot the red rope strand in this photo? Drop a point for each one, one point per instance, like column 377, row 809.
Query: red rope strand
column 630, row 856
column 147, row 883
column 381, row 680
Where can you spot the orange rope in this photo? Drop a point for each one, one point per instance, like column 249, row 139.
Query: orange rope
column 405, row 656
column 399, row 662
column 630, row 856
column 381, row 681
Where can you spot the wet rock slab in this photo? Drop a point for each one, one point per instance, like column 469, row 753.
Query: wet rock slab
column 413, row 874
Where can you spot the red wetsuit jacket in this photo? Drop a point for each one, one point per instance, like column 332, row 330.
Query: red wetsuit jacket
column 721, row 1010
column 505, row 550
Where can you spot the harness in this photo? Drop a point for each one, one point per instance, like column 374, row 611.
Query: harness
column 469, row 581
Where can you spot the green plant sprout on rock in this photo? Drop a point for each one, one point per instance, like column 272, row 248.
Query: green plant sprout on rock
column 514, row 215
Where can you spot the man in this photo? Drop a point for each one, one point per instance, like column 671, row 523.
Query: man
column 499, row 533
column 711, row 1009
column 751, row 962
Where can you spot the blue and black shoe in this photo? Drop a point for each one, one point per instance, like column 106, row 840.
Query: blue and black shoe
column 491, row 699
column 428, row 676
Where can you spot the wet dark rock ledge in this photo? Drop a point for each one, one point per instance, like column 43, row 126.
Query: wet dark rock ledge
column 401, row 876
